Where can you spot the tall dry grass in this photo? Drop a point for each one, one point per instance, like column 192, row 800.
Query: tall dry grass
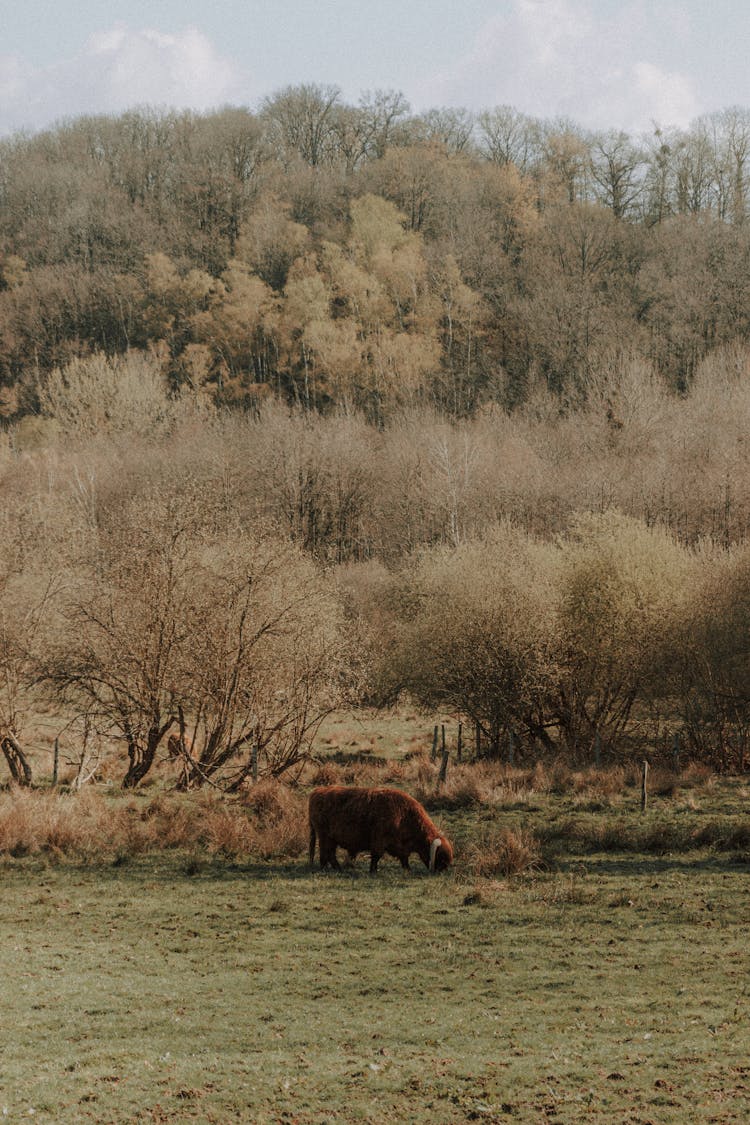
column 269, row 820
column 503, row 851
column 495, row 783
column 92, row 825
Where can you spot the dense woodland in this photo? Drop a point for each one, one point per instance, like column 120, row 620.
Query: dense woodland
column 366, row 256
column 337, row 404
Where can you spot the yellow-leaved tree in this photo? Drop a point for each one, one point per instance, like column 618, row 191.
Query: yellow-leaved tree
column 478, row 634
column 240, row 330
column 623, row 590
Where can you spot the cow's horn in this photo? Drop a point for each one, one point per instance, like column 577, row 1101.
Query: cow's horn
column 433, row 851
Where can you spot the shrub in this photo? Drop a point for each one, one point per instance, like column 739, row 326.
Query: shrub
column 99, row 394
column 478, row 631
column 621, row 596
column 503, row 851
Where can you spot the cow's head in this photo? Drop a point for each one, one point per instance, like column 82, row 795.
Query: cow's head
column 441, row 854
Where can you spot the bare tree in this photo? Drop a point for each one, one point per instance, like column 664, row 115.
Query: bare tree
column 694, row 165
column 660, row 196
column 450, row 126
column 479, row 633
column 301, row 119
column 564, row 170
column 230, row 641
column 620, row 596
column 24, row 605
column 117, row 662
column 99, row 394
column 507, row 136
column 710, row 659
column 616, row 170
column 382, row 110
column 730, row 131
column 261, row 666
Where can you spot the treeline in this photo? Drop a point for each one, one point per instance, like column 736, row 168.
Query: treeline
column 168, row 639
column 545, row 532
column 363, row 256
column 343, row 490
column 190, row 590
column 610, row 641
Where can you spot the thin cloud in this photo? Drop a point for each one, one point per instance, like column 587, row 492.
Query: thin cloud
column 668, row 96
column 550, row 58
column 119, row 68
column 563, row 58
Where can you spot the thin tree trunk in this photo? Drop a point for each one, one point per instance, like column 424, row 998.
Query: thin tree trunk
column 142, row 757
column 20, row 769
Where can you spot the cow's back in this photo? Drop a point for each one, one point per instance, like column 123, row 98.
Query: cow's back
column 344, row 815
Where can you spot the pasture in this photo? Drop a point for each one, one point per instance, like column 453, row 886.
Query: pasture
column 607, row 982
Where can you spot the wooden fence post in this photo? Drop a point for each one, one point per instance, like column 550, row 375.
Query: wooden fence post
column 55, row 762
column 644, row 786
column 459, row 746
column 478, row 741
column 676, row 751
column 443, row 767
column 254, row 761
column 433, row 756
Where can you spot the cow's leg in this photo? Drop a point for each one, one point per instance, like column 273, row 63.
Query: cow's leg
column 401, row 856
column 312, row 845
column 375, row 858
column 328, row 853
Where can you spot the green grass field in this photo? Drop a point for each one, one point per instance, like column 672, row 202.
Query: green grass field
column 180, row 986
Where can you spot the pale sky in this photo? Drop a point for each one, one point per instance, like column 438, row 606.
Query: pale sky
column 603, row 63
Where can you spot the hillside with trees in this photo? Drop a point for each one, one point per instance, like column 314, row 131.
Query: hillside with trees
column 336, row 403
column 364, row 256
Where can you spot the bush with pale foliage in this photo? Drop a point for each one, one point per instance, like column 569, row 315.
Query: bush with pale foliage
column 99, row 394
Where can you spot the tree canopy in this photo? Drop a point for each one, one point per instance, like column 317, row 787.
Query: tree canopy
column 340, row 254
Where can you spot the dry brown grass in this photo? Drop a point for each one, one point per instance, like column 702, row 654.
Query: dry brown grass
column 279, row 819
column 82, row 825
column 503, row 852
column 697, row 776
column 326, row 773
column 467, row 783
column 361, row 771
column 494, row 784
column 270, row 821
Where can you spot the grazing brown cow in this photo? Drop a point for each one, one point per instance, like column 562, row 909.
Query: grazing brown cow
column 374, row 821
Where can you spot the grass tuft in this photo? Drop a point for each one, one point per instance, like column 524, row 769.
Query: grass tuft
column 503, row 851
column 92, row 826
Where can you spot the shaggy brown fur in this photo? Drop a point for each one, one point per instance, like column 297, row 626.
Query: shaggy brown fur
column 376, row 821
